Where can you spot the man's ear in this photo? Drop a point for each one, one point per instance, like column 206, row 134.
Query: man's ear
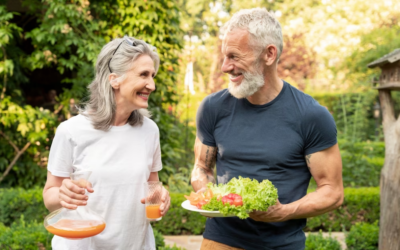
column 270, row 54
column 113, row 79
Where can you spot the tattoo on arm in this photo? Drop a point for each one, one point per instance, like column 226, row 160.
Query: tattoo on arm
column 308, row 160
column 211, row 157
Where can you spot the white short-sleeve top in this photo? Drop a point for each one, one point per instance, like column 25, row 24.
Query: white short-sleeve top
column 121, row 161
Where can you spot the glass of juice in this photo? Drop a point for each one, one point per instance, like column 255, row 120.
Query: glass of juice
column 153, row 200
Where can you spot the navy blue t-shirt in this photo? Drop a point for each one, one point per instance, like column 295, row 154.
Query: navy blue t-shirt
column 264, row 142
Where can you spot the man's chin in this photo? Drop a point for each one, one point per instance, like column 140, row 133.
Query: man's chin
column 235, row 93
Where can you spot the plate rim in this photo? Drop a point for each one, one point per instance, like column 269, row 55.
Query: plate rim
column 195, row 209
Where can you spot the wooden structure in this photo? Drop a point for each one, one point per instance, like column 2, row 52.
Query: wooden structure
column 389, row 225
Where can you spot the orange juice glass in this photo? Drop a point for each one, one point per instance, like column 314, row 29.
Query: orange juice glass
column 153, row 200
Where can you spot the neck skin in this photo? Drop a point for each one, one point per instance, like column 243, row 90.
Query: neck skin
column 122, row 111
column 271, row 89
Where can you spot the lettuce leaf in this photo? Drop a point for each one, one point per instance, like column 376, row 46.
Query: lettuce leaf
column 255, row 196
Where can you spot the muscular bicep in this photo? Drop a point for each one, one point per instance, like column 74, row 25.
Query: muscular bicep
column 205, row 159
column 326, row 167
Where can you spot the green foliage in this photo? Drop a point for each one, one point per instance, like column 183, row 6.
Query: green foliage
column 359, row 205
column 174, row 247
column 363, row 236
column 353, row 114
column 67, row 37
column 318, row 242
column 362, row 163
column 179, row 220
column 159, row 238
column 17, row 202
column 24, row 236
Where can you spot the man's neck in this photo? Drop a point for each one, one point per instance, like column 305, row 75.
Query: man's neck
column 271, row 89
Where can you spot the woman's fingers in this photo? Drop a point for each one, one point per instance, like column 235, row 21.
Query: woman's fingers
column 70, row 201
column 71, row 195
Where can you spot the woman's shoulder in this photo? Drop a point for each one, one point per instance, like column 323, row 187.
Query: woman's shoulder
column 149, row 124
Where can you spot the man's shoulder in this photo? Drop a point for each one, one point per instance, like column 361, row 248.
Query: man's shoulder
column 219, row 97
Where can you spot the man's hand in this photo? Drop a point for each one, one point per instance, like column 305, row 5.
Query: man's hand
column 275, row 213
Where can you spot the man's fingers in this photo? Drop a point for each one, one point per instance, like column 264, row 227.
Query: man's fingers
column 143, row 200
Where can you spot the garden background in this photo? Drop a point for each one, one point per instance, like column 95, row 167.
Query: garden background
column 47, row 55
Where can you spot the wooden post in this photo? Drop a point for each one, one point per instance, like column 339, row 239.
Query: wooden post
column 389, row 225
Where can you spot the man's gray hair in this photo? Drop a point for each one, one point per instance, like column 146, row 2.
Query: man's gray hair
column 262, row 25
column 101, row 106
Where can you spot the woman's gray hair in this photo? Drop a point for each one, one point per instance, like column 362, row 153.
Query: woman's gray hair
column 117, row 56
column 263, row 27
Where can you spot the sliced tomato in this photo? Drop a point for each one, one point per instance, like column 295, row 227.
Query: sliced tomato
column 201, row 204
column 238, row 202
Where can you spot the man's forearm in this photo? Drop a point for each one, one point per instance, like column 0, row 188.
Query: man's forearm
column 200, row 178
column 324, row 199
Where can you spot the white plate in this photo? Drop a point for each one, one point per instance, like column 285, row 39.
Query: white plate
column 186, row 205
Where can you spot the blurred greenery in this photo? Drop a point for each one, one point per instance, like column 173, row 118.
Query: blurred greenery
column 363, row 236
column 318, row 242
column 63, row 38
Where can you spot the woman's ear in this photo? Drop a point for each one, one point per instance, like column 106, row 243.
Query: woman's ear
column 113, row 79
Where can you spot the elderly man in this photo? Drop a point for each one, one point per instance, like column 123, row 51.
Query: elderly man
column 263, row 128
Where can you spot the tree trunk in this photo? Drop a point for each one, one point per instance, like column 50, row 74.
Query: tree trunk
column 389, row 225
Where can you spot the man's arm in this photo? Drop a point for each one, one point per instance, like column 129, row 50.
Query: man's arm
column 203, row 171
column 326, row 168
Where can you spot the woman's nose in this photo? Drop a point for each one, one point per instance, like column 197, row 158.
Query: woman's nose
column 151, row 85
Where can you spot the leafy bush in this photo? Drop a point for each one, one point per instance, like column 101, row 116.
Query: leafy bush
column 24, row 236
column 319, row 242
column 359, row 205
column 174, row 247
column 15, row 202
column 352, row 113
column 362, row 163
column 159, row 238
column 179, row 220
column 363, row 236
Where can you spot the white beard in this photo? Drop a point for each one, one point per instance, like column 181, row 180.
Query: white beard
column 250, row 84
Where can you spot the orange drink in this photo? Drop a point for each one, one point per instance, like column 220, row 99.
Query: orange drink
column 153, row 211
column 76, row 229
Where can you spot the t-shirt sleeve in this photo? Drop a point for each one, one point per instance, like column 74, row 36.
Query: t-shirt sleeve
column 319, row 129
column 157, row 163
column 60, row 157
column 205, row 123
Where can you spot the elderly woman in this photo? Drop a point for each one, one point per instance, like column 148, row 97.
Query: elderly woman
column 113, row 138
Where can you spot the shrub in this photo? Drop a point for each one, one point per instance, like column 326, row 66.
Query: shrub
column 24, row 236
column 15, row 202
column 359, row 205
column 319, row 242
column 363, row 236
column 362, row 163
column 159, row 238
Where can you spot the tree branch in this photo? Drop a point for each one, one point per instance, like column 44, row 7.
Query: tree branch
column 16, row 157
column 5, row 76
column 9, row 141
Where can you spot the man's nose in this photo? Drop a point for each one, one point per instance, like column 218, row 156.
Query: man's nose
column 226, row 66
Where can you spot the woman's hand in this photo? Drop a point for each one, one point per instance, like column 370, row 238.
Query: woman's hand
column 165, row 201
column 72, row 193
